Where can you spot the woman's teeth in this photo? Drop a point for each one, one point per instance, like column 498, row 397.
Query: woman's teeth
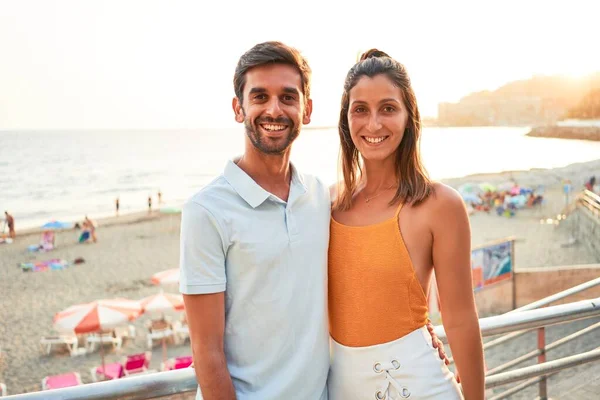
column 375, row 140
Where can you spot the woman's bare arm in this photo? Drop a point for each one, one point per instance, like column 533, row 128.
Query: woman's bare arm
column 452, row 262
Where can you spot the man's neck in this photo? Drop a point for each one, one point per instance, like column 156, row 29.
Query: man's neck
column 271, row 172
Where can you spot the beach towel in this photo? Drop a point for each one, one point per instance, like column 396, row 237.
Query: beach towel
column 54, row 264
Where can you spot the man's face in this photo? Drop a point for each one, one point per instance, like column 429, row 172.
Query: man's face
column 273, row 107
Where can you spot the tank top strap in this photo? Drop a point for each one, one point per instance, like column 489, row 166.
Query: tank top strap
column 398, row 210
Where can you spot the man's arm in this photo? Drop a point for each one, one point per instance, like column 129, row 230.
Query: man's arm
column 452, row 263
column 203, row 249
column 206, row 320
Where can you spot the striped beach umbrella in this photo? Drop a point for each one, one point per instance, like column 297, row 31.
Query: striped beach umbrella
column 100, row 315
column 97, row 316
column 162, row 302
column 170, row 276
column 159, row 303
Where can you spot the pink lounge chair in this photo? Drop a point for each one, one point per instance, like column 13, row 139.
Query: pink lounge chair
column 136, row 363
column 110, row 372
column 61, row 381
column 177, row 363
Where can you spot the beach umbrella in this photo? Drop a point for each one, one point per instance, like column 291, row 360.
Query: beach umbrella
column 505, row 186
column 99, row 315
column 162, row 302
column 471, row 198
column 169, row 276
column 487, row 187
column 57, row 225
column 469, row 188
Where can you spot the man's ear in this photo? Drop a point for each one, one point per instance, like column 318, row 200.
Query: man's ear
column 236, row 104
column 307, row 112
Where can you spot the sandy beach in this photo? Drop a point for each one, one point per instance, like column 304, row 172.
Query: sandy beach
column 130, row 249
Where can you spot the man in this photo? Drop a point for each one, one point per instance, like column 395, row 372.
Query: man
column 254, row 248
column 10, row 221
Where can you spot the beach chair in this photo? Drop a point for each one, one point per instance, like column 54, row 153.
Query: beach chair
column 176, row 363
column 61, row 381
column 69, row 341
column 159, row 330
column 136, row 363
column 3, row 391
column 109, row 372
column 102, row 338
column 181, row 330
column 125, row 332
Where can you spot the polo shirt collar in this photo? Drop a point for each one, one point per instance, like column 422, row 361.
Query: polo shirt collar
column 252, row 192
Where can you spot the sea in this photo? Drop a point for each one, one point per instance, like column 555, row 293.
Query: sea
column 65, row 175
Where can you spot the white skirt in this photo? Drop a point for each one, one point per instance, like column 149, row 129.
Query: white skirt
column 406, row 368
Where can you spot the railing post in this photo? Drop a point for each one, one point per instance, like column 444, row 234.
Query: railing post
column 541, row 339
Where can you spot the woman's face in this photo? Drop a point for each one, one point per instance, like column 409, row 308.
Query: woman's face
column 377, row 117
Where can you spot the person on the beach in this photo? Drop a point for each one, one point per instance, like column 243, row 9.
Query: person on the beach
column 10, row 221
column 149, row 204
column 254, row 248
column 117, row 204
column 391, row 227
column 159, row 194
column 91, row 227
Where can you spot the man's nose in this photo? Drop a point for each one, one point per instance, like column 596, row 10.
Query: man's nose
column 274, row 108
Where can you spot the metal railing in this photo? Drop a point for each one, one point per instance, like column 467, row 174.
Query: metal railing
column 542, row 348
column 590, row 201
column 173, row 382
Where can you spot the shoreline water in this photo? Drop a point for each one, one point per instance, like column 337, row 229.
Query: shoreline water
column 576, row 173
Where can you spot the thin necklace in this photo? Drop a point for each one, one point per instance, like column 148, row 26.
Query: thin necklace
column 367, row 199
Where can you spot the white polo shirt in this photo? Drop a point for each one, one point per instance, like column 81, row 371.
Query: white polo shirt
column 270, row 258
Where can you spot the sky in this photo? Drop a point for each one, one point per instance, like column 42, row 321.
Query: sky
column 148, row 64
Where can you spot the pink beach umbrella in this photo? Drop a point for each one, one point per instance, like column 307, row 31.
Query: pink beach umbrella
column 170, row 276
column 100, row 315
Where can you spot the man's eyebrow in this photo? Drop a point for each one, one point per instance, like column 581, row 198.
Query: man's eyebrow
column 257, row 90
column 291, row 90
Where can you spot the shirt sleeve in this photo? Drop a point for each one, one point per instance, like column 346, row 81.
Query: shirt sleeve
column 203, row 246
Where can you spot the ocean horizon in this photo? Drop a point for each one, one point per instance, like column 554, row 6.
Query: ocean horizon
column 67, row 174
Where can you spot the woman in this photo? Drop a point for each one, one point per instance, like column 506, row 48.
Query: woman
column 391, row 227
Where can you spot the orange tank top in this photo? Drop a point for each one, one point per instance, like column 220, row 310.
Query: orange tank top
column 374, row 294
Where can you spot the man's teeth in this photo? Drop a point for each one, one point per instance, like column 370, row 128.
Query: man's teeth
column 273, row 127
column 375, row 140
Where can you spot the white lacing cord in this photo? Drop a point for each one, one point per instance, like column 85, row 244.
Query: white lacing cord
column 386, row 367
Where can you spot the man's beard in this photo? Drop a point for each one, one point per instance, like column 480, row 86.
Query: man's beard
column 266, row 145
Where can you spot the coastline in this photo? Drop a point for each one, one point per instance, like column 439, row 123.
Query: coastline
column 577, row 173
column 591, row 133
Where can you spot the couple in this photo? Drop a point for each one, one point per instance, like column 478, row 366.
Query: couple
column 293, row 294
